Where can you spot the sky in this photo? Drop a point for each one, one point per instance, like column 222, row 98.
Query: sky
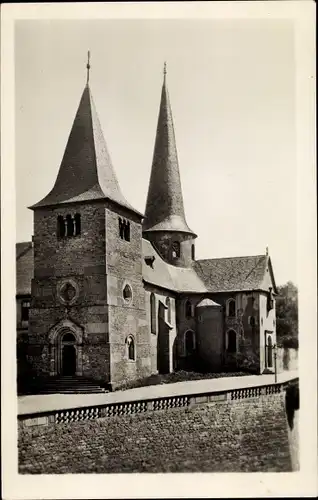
column 232, row 93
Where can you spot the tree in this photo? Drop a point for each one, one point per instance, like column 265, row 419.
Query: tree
column 287, row 315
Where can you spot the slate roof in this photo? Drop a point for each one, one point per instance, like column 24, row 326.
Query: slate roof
column 233, row 273
column 86, row 171
column 24, row 267
column 210, row 275
column 164, row 206
column 162, row 274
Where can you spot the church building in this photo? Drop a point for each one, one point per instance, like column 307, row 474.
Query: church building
column 111, row 295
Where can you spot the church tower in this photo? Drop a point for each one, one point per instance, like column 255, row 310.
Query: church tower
column 165, row 224
column 87, row 313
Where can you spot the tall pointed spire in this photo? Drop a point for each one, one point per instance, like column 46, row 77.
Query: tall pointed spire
column 86, row 171
column 164, row 206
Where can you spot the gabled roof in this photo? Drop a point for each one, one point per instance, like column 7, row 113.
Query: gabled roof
column 233, row 274
column 164, row 206
column 86, row 171
column 24, row 268
column 160, row 273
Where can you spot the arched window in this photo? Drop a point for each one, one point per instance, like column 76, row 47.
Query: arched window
column 60, row 227
column 153, row 313
column 69, row 225
column 175, row 249
column 193, row 252
column 269, row 352
column 189, row 339
column 77, row 219
column 168, row 304
column 131, row 348
column 124, row 229
column 188, row 309
column 127, row 231
column 231, row 341
column 231, row 308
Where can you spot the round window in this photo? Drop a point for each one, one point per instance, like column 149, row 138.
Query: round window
column 127, row 293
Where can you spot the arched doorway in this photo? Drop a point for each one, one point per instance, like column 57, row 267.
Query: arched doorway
column 68, row 358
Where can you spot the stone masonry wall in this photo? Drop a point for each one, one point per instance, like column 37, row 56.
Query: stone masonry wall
column 126, row 317
column 81, row 259
column 250, row 435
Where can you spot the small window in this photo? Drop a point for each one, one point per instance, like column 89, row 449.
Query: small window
column 269, row 352
column 188, row 309
column 77, row 219
column 153, row 313
column 69, row 226
column 231, row 341
column 252, row 321
column 193, row 252
column 124, row 229
column 25, row 307
column 175, row 250
column 127, row 293
column 130, row 348
column 60, row 227
column 189, row 342
column 168, row 304
column 231, row 308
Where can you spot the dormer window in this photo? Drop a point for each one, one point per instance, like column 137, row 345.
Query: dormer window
column 68, row 226
column 124, row 229
column 175, row 250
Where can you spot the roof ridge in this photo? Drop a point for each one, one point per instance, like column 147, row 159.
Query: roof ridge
column 235, row 257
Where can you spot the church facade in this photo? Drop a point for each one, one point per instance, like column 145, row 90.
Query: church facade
column 109, row 294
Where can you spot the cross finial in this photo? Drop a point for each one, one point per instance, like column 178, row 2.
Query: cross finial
column 88, row 65
column 267, row 250
column 164, row 71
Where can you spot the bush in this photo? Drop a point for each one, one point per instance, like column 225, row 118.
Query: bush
column 288, row 342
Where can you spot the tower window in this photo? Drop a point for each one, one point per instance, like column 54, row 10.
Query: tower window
column 77, row 219
column 25, row 307
column 188, row 309
column 175, row 250
column 124, row 229
column 231, row 341
column 153, row 313
column 60, row 227
column 130, row 348
column 68, row 226
column 193, row 252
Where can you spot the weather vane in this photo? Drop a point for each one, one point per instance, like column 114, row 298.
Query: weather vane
column 164, row 70
column 88, row 66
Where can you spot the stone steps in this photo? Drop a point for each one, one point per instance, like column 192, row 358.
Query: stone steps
column 69, row 385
